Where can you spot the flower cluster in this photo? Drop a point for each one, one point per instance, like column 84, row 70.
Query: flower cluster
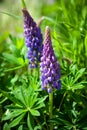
column 33, row 39
column 50, row 68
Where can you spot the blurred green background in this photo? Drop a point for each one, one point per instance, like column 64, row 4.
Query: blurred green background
column 14, row 7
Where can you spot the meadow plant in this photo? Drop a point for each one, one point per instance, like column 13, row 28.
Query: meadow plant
column 33, row 39
column 62, row 72
column 50, row 68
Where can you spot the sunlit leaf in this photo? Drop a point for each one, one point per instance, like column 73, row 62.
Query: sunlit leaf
column 79, row 74
column 11, row 58
column 13, row 114
column 34, row 112
column 17, row 120
column 6, row 127
column 20, row 127
column 30, row 121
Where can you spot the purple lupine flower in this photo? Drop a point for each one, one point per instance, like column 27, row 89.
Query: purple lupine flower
column 33, row 39
column 50, row 68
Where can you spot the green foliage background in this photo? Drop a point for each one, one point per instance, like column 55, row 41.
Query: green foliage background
column 23, row 105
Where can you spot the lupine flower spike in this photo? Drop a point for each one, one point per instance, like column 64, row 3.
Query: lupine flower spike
column 33, row 39
column 50, row 68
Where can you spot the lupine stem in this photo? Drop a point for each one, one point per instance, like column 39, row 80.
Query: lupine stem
column 51, row 108
column 23, row 4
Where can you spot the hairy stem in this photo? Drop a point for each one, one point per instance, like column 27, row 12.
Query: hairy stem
column 51, row 109
column 23, row 4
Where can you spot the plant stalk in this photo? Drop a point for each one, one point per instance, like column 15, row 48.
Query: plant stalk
column 51, row 109
column 23, row 4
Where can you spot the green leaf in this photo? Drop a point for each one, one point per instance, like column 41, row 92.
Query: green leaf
column 42, row 99
column 19, row 95
column 40, row 103
column 32, row 97
column 34, row 112
column 63, row 121
column 85, row 128
column 10, row 14
column 79, row 74
column 49, row 19
column 13, row 114
column 11, row 58
column 14, row 107
column 15, row 68
column 37, row 128
column 23, row 97
column 2, row 98
column 33, row 100
column 6, row 127
column 39, row 106
column 12, row 98
column 20, row 127
column 77, row 86
column 17, row 120
column 30, row 122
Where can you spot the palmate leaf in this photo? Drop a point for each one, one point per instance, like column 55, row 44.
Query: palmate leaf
column 34, row 112
column 20, row 127
column 27, row 96
column 11, row 115
column 40, row 102
column 6, row 127
column 25, row 101
column 2, row 98
column 12, row 97
column 31, row 97
column 17, row 120
column 71, row 81
column 21, row 95
column 77, row 86
column 37, row 106
column 30, row 121
column 11, row 58
column 62, row 122
column 78, row 74
column 42, row 99
column 14, row 107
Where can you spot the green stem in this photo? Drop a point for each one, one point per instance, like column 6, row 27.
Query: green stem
column 74, row 127
column 51, row 109
column 62, row 101
column 23, row 4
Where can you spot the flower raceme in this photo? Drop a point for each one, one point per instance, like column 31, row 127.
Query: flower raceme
column 50, row 68
column 33, row 39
